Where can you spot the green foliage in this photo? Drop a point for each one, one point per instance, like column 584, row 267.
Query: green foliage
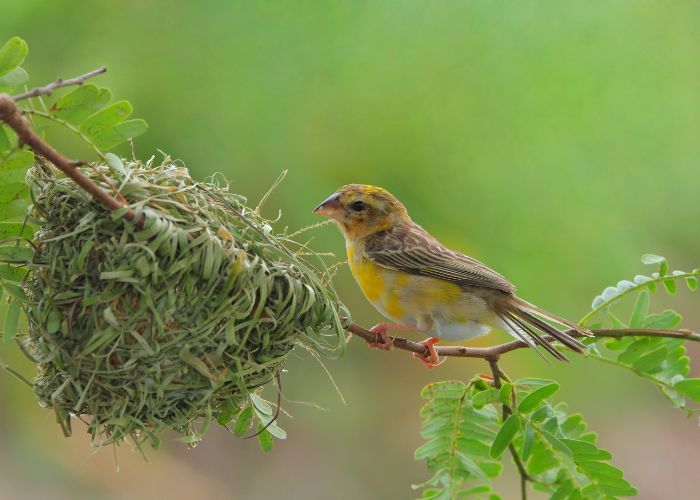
column 12, row 54
column 84, row 110
column 559, row 455
column 257, row 410
column 459, row 438
column 659, row 359
column 612, row 294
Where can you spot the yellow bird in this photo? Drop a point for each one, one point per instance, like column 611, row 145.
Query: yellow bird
column 421, row 285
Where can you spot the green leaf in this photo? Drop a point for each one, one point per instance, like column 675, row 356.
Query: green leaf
column 528, row 439
column 13, row 191
column 53, row 323
column 650, row 360
column 13, row 209
column 491, row 468
column 662, row 321
column 14, row 167
column 261, row 405
column 5, row 143
column 689, row 387
column 432, row 447
column 556, row 443
column 105, row 120
column 115, row 163
column 15, row 229
column 505, row 435
column 692, row 283
column 84, row 101
column 17, row 76
column 448, row 389
column 534, row 382
column 670, row 285
column 15, row 254
column 640, row 310
column 132, row 128
column 265, row 438
column 276, row 430
column 505, row 393
column 111, row 137
column 533, row 400
column 651, row 259
column 471, row 466
column 482, row 398
column 541, row 458
column 583, row 450
column 243, row 422
column 602, row 470
column 11, row 322
column 12, row 273
column 12, row 54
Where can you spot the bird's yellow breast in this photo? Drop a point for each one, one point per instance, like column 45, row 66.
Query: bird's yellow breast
column 399, row 295
column 368, row 275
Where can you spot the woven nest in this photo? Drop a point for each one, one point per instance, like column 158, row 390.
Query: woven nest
column 164, row 325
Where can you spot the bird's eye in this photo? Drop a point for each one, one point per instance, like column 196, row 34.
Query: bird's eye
column 358, row 206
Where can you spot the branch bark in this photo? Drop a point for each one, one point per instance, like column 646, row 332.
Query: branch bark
column 12, row 116
column 494, row 352
column 47, row 89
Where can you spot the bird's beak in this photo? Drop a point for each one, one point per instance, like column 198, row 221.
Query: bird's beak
column 330, row 207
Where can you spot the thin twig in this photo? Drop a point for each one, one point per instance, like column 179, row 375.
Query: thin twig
column 495, row 351
column 11, row 115
column 498, row 374
column 48, row 89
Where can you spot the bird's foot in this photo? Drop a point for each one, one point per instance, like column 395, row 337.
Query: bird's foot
column 381, row 329
column 431, row 359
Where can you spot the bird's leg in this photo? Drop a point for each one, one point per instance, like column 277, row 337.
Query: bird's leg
column 431, row 359
column 382, row 330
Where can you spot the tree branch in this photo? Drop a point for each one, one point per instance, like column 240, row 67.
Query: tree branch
column 48, row 89
column 11, row 115
column 494, row 352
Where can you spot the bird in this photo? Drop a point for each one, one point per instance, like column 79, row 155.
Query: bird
column 421, row 285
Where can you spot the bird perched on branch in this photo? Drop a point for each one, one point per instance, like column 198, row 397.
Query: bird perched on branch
column 421, row 285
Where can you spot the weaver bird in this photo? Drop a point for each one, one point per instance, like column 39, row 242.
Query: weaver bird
column 421, row 285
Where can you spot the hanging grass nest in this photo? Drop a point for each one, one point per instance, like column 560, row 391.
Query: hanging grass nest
column 138, row 328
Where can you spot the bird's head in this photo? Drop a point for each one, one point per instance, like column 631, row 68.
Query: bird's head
column 361, row 210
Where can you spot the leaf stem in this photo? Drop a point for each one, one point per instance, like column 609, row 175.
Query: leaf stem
column 68, row 126
column 658, row 279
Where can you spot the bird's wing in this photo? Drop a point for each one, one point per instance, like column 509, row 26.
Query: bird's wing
column 409, row 248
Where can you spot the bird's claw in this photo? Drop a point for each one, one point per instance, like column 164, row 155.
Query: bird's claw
column 387, row 343
column 430, row 359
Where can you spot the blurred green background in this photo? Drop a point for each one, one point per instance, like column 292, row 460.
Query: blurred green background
column 557, row 142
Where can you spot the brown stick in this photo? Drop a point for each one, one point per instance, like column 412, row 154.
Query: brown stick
column 11, row 115
column 494, row 352
column 47, row 89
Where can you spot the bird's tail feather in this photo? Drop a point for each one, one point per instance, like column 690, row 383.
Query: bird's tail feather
column 527, row 322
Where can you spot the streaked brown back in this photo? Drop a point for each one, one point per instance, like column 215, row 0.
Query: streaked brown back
column 411, row 249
